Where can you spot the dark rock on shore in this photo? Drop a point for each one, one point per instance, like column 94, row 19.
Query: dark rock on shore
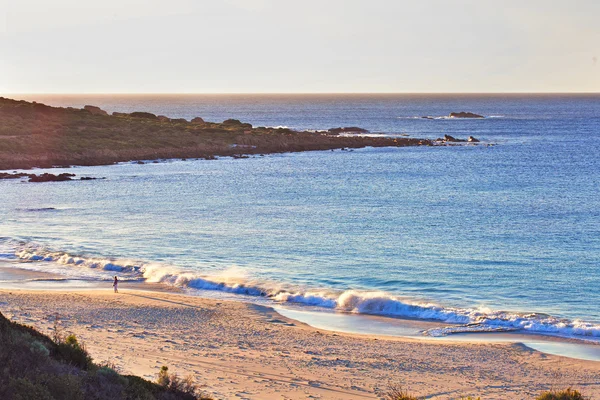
column 197, row 120
column 120, row 114
column 347, row 129
column 472, row 139
column 95, row 110
column 182, row 120
column 164, row 118
column 464, row 114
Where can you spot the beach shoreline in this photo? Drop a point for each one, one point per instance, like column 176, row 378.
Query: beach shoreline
column 251, row 351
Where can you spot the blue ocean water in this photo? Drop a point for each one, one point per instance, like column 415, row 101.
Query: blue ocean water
column 502, row 235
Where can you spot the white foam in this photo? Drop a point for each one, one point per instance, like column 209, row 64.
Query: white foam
column 236, row 281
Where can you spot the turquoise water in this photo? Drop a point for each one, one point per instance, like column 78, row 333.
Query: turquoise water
column 504, row 236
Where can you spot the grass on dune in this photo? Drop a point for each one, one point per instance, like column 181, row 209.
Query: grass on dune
column 34, row 366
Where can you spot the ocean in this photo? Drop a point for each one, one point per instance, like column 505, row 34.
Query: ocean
column 503, row 234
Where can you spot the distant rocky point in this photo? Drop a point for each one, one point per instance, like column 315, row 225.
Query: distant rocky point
column 464, row 114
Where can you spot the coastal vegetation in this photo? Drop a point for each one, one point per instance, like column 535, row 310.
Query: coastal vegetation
column 396, row 392
column 37, row 135
column 34, row 366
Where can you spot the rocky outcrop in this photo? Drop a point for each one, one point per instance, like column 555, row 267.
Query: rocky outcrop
column 44, row 177
column 236, row 122
column 51, row 177
column 197, row 120
column 449, row 138
column 179, row 120
column 452, row 139
column 347, row 129
column 120, row 114
column 164, row 118
column 95, row 110
column 16, row 175
column 141, row 114
column 464, row 114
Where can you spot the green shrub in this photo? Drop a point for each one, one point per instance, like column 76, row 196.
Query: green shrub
column 24, row 389
column 74, row 353
column 395, row 392
column 64, row 387
column 39, row 349
column 566, row 394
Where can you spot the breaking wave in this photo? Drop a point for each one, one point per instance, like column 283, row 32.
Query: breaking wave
column 380, row 303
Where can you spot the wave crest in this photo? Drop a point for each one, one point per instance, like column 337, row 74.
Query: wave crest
column 381, row 303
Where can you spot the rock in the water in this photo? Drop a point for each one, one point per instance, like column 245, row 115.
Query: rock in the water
column 472, row 139
column 347, row 129
column 464, row 114
column 51, row 177
column 197, row 120
column 95, row 110
column 449, row 138
column 16, row 175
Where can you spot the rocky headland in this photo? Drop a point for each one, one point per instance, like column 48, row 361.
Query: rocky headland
column 37, row 135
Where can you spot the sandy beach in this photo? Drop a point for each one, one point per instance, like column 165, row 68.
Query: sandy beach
column 240, row 350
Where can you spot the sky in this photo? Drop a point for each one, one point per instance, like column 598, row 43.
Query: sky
column 308, row 46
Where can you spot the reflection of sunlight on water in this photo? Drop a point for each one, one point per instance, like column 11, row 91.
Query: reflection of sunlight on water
column 370, row 325
column 573, row 350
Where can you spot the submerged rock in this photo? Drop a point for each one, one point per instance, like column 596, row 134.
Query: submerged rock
column 464, row 114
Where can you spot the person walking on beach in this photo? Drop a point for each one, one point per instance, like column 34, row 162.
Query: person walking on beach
column 115, row 283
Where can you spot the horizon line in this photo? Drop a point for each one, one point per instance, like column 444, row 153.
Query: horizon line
column 288, row 93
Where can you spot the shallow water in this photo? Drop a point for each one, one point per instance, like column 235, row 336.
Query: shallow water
column 456, row 234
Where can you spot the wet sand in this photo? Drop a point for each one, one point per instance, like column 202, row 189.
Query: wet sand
column 241, row 350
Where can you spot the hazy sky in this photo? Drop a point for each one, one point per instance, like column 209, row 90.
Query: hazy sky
column 208, row 46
